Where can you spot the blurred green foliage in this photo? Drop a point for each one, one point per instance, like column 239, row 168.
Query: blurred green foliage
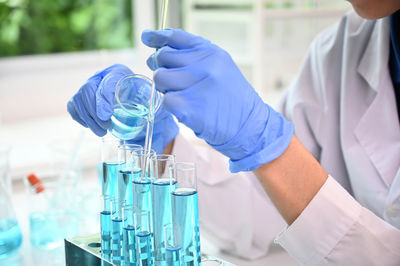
column 51, row 26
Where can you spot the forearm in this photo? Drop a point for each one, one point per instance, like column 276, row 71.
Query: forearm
column 292, row 180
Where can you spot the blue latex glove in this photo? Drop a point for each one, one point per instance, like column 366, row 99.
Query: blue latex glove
column 206, row 91
column 93, row 105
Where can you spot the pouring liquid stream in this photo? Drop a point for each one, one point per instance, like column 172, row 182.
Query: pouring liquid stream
column 150, row 117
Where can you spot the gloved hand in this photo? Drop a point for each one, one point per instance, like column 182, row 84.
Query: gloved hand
column 206, row 91
column 93, row 105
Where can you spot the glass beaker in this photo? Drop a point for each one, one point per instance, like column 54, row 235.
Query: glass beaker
column 131, row 106
column 10, row 232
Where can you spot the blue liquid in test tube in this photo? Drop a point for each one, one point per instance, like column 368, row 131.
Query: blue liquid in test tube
column 144, row 247
column 141, row 193
column 105, row 228
column 127, row 190
column 161, row 193
column 129, row 235
column 144, row 238
column 105, row 225
column 173, row 256
column 117, row 238
column 110, row 179
column 185, row 214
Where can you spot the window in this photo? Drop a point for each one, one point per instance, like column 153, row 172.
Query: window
column 50, row 26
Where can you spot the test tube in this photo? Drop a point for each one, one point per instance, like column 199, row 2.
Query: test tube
column 116, row 232
column 161, row 201
column 173, row 244
column 129, row 235
column 109, row 154
column 105, row 228
column 144, row 238
column 126, row 167
column 141, row 183
column 185, row 211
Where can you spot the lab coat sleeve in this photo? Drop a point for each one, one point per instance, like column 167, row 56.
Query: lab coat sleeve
column 334, row 229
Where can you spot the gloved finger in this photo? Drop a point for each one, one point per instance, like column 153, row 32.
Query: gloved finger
column 88, row 91
column 105, row 94
column 168, row 57
column 85, row 116
column 177, row 78
column 175, row 38
column 116, row 68
column 74, row 113
column 176, row 104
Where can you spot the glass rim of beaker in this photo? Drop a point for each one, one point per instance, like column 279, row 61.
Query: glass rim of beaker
column 127, row 77
column 191, row 164
column 142, row 152
column 160, row 157
column 125, row 146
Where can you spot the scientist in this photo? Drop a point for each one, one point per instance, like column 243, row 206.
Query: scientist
column 336, row 182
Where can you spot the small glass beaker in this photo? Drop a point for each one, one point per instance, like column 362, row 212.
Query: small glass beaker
column 10, row 232
column 132, row 105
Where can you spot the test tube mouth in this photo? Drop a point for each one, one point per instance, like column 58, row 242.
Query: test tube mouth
column 133, row 106
column 162, row 157
column 130, row 146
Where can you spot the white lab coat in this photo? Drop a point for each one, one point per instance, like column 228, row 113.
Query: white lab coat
column 343, row 106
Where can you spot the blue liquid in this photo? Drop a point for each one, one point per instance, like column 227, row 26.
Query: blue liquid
column 117, row 239
column 44, row 230
column 161, row 196
column 126, row 125
column 110, row 179
column 144, row 248
column 185, row 213
column 105, row 226
column 173, row 256
column 10, row 237
column 129, row 245
column 126, row 187
column 142, row 195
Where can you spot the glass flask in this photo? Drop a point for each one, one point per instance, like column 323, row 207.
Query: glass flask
column 10, row 232
column 132, row 105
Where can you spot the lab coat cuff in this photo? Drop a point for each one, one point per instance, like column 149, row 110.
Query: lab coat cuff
column 267, row 154
column 321, row 225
